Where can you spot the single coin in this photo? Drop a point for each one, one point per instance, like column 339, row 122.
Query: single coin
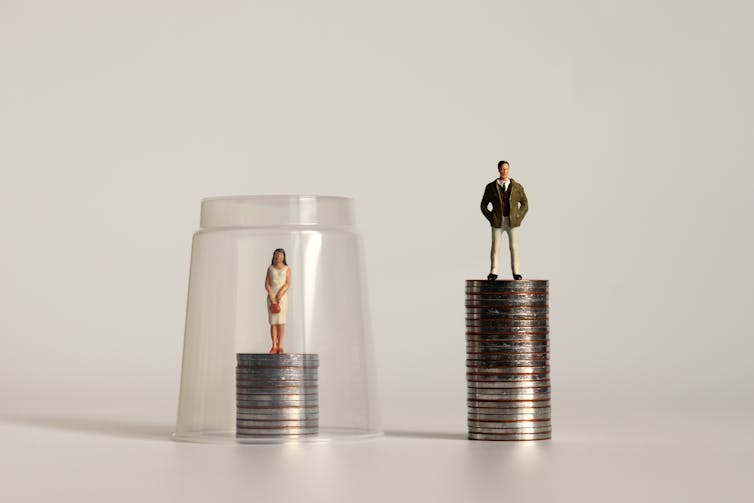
column 495, row 399
column 509, row 370
column 510, row 392
column 506, row 298
column 258, row 432
column 280, row 383
column 542, row 383
column 276, row 424
column 286, row 390
column 504, row 407
column 527, row 380
column 504, row 312
column 483, row 360
column 544, row 414
column 495, row 431
column 270, row 408
column 311, row 416
column 284, row 412
column 492, row 400
column 277, row 402
column 282, row 397
column 510, row 437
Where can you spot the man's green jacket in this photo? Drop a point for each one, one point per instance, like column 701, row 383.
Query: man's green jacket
column 518, row 203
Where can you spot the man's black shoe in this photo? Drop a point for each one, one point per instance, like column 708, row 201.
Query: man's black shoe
column 491, row 277
column 517, row 276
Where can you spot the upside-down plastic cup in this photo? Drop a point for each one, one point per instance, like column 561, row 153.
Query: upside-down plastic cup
column 229, row 324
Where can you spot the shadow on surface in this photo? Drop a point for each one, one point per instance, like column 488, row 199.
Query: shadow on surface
column 96, row 426
column 426, row 434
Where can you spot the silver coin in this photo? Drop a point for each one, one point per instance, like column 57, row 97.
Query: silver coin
column 264, row 415
column 497, row 300
column 510, row 392
column 512, row 308
column 509, row 338
column 488, row 326
column 271, row 367
column 514, row 367
column 257, row 397
column 473, row 388
column 477, row 399
column 260, row 395
column 514, row 354
column 506, row 411
column 271, row 402
column 540, row 383
column 289, row 409
column 505, row 372
column 259, row 433
column 486, row 403
column 253, row 423
column 483, row 360
column 302, row 375
column 510, row 426
column 280, row 412
column 530, row 379
column 503, row 346
column 510, row 331
column 501, row 358
column 276, row 429
column 278, row 389
column 494, row 419
column 506, row 298
column 282, row 382
column 539, row 311
column 495, row 340
column 271, row 372
column 500, row 407
column 501, row 314
column 506, row 329
column 286, row 390
column 522, row 429
column 262, row 437
column 482, row 402
column 509, row 437
column 533, row 371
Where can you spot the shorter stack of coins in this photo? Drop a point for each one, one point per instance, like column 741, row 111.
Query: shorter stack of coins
column 276, row 395
column 507, row 360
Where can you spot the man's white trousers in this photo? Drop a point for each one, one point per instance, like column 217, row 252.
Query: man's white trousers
column 497, row 236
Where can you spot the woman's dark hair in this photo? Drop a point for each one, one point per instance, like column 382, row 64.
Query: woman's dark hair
column 501, row 163
column 281, row 251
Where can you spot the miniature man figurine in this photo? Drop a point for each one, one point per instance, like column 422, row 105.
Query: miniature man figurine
column 509, row 205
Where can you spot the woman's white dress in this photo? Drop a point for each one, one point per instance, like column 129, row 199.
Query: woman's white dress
column 277, row 280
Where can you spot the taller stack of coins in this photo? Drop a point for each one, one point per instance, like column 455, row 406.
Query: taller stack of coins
column 507, row 360
column 276, row 395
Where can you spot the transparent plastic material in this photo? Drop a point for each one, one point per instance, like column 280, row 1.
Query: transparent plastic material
column 327, row 312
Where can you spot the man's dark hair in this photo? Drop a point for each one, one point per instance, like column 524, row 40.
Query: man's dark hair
column 501, row 163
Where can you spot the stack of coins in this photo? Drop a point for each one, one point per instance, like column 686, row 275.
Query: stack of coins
column 507, row 360
column 276, row 395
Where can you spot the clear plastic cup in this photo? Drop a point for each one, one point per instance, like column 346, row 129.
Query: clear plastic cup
column 327, row 312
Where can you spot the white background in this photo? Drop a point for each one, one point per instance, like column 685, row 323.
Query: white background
column 630, row 124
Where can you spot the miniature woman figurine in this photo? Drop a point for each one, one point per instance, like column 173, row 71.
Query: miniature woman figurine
column 276, row 282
